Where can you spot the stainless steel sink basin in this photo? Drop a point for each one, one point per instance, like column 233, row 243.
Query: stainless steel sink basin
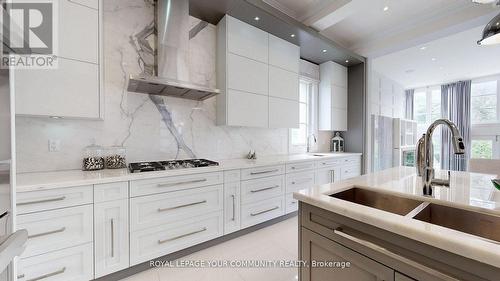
column 382, row 201
column 475, row 223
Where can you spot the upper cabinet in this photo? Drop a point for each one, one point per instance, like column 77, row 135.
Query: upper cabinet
column 258, row 75
column 73, row 89
column 333, row 97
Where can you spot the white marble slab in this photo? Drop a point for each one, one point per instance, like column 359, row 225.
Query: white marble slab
column 50, row 180
column 468, row 191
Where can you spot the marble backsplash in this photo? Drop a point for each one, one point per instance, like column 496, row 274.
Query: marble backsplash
column 133, row 120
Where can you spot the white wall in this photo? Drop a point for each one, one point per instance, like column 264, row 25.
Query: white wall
column 5, row 149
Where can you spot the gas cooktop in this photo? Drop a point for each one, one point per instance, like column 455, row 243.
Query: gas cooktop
column 140, row 167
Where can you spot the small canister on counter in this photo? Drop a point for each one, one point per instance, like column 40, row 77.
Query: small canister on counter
column 115, row 157
column 93, row 158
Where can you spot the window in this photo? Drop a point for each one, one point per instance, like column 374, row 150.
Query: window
column 484, row 102
column 307, row 99
column 427, row 108
column 482, row 149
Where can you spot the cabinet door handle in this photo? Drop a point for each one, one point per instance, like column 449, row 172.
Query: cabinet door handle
column 332, row 176
column 60, row 271
column 264, row 172
column 168, row 184
column 181, row 206
column 234, row 207
column 47, row 233
column 264, row 189
column 112, row 238
column 265, row 211
column 384, row 251
column 41, row 201
column 181, row 236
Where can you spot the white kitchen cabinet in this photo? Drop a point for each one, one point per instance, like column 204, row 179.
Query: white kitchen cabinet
column 333, row 97
column 245, row 109
column 327, row 175
column 309, row 69
column 74, row 88
column 283, row 54
column 76, row 19
column 261, row 211
column 71, row 90
column 247, row 75
column 283, row 113
column 258, row 77
column 232, row 207
column 246, row 40
column 283, row 83
column 111, row 231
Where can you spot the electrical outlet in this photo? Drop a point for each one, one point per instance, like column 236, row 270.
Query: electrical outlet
column 54, row 145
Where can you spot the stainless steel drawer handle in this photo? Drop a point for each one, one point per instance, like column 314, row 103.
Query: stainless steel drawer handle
column 234, row 207
column 41, row 201
column 181, row 206
column 265, row 211
column 384, row 251
column 294, row 202
column 302, row 181
column 264, row 172
column 60, row 271
column 180, row 183
column 47, row 233
column 112, row 238
column 181, row 236
column 264, row 189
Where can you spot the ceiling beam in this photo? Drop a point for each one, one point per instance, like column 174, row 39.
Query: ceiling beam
column 335, row 12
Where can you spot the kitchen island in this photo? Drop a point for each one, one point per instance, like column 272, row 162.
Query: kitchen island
column 380, row 227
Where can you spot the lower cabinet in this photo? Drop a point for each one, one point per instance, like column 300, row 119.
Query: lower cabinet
column 231, row 207
column 73, row 264
column 320, row 251
column 327, row 175
column 111, row 230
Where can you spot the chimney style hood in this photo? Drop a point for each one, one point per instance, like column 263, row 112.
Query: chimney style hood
column 171, row 71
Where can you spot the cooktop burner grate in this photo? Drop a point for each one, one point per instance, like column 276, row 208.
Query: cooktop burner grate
column 140, row 167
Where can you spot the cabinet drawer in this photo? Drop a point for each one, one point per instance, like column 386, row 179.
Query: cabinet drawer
column 35, row 201
column 72, row 264
column 169, row 184
column 300, row 166
column 253, row 173
column 291, row 204
column 328, row 163
column 232, row 201
column 54, row 230
column 350, row 172
column 356, row 160
column 149, row 211
column 255, row 213
column 232, row 175
column 298, row 181
column 110, row 191
column 264, row 188
column 168, row 238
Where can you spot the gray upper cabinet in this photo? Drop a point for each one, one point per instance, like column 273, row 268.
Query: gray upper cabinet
column 258, row 77
column 74, row 88
column 318, row 248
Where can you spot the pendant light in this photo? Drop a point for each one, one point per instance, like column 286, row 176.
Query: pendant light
column 491, row 32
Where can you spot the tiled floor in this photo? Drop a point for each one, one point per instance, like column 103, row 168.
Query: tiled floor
column 276, row 242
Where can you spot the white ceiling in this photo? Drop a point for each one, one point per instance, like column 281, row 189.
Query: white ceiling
column 456, row 57
column 364, row 27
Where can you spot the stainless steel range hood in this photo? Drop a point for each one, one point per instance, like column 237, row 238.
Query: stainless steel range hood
column 171, row 69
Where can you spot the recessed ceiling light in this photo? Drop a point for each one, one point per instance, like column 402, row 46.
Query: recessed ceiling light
column 423, row 48
column 386, row 8
column 324, row 50
column 292, row 35
column 433, row 59
column 256, row 18
column 347, row 61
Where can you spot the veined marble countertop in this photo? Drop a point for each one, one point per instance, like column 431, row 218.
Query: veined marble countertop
column 467, row 191
column 49, row 180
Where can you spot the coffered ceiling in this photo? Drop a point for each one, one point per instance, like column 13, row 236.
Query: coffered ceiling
column 376, row 27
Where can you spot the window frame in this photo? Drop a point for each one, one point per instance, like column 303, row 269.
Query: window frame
column 312, row 116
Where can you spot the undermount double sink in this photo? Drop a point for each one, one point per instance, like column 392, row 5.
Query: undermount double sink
column 476, row 223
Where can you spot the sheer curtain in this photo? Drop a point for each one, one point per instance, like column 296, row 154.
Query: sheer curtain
column 409, row 95
column 455, row 106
